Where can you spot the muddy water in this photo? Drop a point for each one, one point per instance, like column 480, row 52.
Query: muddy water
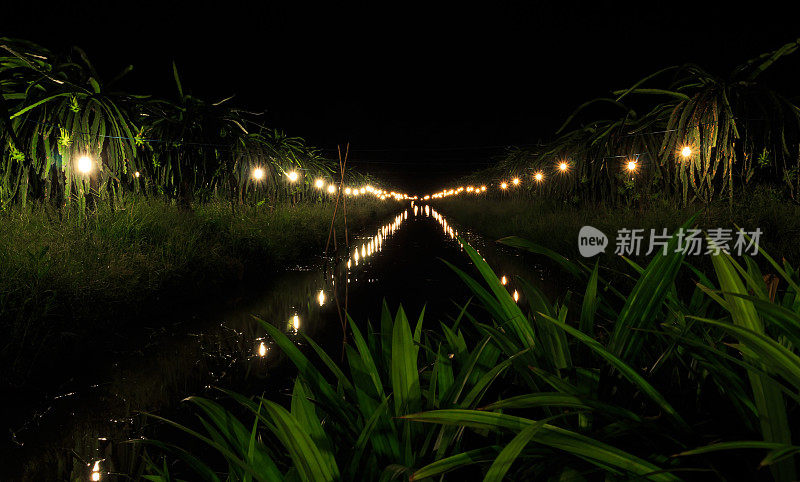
column 84, row 432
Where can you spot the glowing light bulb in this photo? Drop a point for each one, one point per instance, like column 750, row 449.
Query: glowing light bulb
column 563, row 166
column 136, row 174
column 503, row 280
column 321, row 297
column 292, row 176
column 515, row 181
column 503, row 185
column 85, row 164
column 363, row 190
column 631, row 166
column 516, row 295
column 319, row 183
column 347, row 191
column 538, row 176
column 686, row 151
column 331, row 188
column 296, row 322
column 258, row 174
column 262, row 350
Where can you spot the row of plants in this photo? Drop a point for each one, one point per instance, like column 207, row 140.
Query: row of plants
column 69, row 137
column 644, row 376
column 682, row 132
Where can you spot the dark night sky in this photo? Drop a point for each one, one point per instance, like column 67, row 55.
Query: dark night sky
column 422, row 93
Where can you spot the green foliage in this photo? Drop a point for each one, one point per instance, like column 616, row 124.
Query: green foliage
column 642, row 382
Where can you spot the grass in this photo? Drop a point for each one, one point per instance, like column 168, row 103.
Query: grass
column 65, row 281
column 595, row 384
column 555, row 226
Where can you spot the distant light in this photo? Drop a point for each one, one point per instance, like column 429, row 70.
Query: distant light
column 631, row 166
column 503, row 185
column 563, row 166
column 363, row 190
column 319, row 183
column 258, row 174
column 85, row 164
column 347, row 191
column 331, row 188
column 503, row 280
column 321, row 297
column 136, row 174
column 686, row 151
column 483, row 188
column 538, row 176
column 262, row 350
column 516, row 295
column 292, row 176
column 96, row 471
column 515, row 181
column 296, row 322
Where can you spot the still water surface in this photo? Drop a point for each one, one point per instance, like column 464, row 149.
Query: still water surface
column 81, row 434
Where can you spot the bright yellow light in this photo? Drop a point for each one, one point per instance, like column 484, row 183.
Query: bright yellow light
column 319, row 183
column 347, row 191
column 538, row 176
column 363, row 190
column 136, row 174
column 686, row 151
column 85, row 164
column 292, row 176
column 321, row 297
column 258, row 174
column 331, row 188
column 563, row 166
column 483, row 188
column 262, row 350
column 516, row 295
column 296, row 322
column 96, row 471
column 631, row 166
column 515, row 181
column 503, row 280
column 503, row 185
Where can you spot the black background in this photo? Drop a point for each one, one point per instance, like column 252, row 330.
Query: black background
column 423, row 92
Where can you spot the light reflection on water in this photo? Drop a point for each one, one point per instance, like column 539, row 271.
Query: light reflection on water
column 222, row 353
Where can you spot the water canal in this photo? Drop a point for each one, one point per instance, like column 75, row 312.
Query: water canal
column 87, row 424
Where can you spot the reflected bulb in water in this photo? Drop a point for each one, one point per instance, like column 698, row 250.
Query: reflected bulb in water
column 319, row 183
column 321, row 297
column 258, row 174
column 292, row 176
column 262, row 350
column 686, row 151
column 96, row 470
column 85, row 164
